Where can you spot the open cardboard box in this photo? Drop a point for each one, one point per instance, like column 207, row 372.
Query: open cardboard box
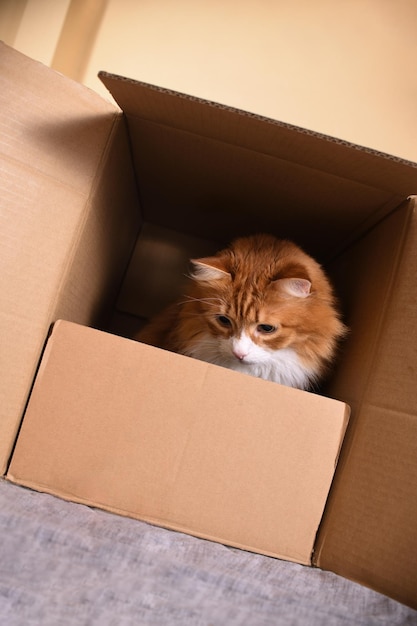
column 99, row 204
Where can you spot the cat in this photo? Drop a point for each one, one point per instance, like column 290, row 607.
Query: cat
column 262, row 307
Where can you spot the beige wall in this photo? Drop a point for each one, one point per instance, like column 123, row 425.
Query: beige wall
column 342, row 67
column 33, row 26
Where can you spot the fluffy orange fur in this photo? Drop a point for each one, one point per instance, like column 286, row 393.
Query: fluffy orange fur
column 259, row 306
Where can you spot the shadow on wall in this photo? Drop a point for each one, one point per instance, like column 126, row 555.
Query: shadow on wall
column 77, row 37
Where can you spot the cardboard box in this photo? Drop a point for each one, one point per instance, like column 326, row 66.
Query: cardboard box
column 190, row 175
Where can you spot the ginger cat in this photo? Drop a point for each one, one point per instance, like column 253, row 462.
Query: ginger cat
column 262, row 307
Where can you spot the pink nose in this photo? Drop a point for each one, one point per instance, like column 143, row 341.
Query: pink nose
column 239, row 354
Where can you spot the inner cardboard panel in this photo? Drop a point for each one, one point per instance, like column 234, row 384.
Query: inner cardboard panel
column 216, row 190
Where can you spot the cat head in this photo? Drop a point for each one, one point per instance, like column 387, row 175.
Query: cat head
column 262, row 295
column 244, row 303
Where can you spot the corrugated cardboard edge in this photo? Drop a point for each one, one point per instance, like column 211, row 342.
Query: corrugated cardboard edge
column 108, row 77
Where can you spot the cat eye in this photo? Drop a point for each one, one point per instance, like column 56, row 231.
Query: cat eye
column 265, row 328
column 224, row 321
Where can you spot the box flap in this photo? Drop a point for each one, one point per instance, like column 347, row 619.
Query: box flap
column 55, row 198
column 179, row 443
column 369, row 531
column 202, row 165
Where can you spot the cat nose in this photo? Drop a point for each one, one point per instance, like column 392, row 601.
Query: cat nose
column 239, row 354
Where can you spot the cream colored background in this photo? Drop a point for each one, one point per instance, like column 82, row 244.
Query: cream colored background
column 343, row 67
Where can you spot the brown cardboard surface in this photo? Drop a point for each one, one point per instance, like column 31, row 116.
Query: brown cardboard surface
column 179, row 443
column 369, row 531
column 156, row 272
column 64, row 248
column 200, row 164
column 164, row 107
column 366, row 276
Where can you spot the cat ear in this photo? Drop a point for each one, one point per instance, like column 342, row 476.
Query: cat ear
column 208, row 269
column 298, row 287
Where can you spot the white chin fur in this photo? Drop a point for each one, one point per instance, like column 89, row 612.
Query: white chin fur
column 279, row 366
